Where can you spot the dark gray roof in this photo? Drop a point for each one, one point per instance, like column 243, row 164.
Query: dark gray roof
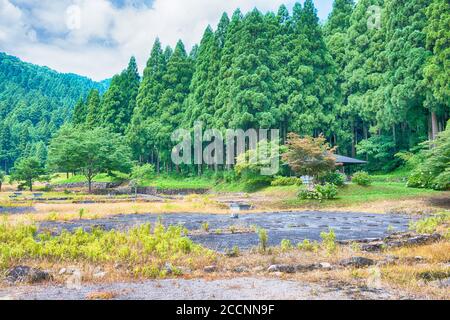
column 347, row 160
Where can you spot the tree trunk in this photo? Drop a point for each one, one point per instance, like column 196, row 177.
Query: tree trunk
column 434, row 126
column 90, row 184
column 354, row 140
column 30, row 183
column 1, row 186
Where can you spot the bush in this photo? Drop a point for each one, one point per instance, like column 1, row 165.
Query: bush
column 362, row 178
column 263, row 239
column 336, row 178
column 326, row 192
column 286, row 245
column 286, row 181
column 307, row 245
column 329, row 241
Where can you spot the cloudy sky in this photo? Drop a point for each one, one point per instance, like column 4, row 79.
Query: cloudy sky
column 96, row 38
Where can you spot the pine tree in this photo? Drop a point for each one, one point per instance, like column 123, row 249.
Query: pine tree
column 93, row 118
column 203, row 90
column 120, row 100
column 437, row 69
column 149, row 95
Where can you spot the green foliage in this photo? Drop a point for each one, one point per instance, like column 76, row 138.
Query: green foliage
column 34, row 102
column 119, row 101
column 28, row 170
column 329, row 241
column 327, row 191
column 205, row 226
column 142, row 173
column 286, row 245
column 336, row 178
column 286, row 181
column 263, row 239
column 369, row 91
column 307, row 245
column 320, row 192
column 2, row 179
column 362, row 178
column 250, row 165
column 434, row 171
column 81, row 213
column 430, row 225
column 308, row 155
column 139, row 246
column 90, row 151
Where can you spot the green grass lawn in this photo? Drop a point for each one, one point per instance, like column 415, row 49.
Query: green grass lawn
column 103, row 177
column 354, row 194
column 173, row 182
column 399, row 175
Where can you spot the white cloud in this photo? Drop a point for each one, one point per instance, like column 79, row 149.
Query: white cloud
column 108, row 35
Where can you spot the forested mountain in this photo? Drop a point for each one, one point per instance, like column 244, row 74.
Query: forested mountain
column 373, row 88
column 34, row 102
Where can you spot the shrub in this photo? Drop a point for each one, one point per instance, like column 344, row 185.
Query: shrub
column 286, row 181
column 430, row 224
column 329, row 241
column 263, row 238
column 362, row 178
column 286, row 245
column 309, row 194
column 328, row 191
column 325, row 192
column 336, row 178
column 307, row 245
column 205, row 226
column 140, row 246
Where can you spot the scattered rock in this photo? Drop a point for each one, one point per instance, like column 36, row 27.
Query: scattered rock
column 62, row 271
column 373, row 246
column 307, row 267
column 390, row 259
column 419, row 258
column 240, row 269
column 284, row 268
column 325, row 266
column 26, row 274
column 441, row 283
column 357, row 262
column 210, row 269
column 401, row 240
column 168, row 267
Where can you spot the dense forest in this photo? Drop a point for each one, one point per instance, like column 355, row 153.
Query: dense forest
column 34, row 102
column 372, row 88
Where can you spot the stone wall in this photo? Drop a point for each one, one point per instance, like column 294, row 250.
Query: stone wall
column 80, row 185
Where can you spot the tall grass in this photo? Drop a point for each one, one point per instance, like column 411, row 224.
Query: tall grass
column 139, row 247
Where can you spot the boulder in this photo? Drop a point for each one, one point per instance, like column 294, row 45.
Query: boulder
column 210, row 269
column 325, row 266
column 441, row 283
column 357, row 262
column 25, row 274
column 284, row 268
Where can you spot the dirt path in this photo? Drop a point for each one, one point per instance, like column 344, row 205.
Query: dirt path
column 199, row 289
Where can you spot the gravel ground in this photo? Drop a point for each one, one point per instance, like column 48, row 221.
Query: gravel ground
column 199, row 289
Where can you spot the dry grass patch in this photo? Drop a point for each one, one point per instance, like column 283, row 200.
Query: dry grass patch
column 102, row 295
